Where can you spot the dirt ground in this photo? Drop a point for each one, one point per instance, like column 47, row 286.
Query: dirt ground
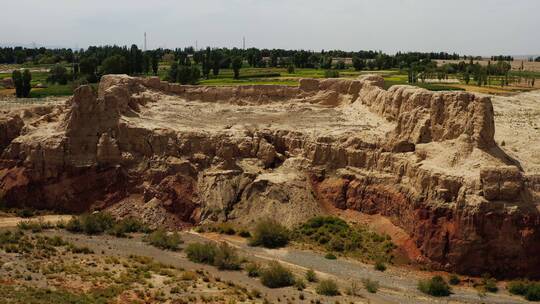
column 169, row 277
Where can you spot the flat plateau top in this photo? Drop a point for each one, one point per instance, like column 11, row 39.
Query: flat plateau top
column 177, row 114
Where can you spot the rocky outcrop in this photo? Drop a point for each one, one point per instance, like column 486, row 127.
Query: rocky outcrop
column 10, row 128
column 179, row 155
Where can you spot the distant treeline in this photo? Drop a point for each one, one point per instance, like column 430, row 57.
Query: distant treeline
column 10, row 55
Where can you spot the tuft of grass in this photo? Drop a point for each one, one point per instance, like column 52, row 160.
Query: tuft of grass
column 380, row 266
column 34, row 226
column 327, row 288
column 253, row 269
column 489, row 284
column 454, row 279
column 311, row 276
column 371, row 286
column 330, row 256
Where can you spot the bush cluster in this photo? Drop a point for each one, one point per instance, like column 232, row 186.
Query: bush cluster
column 223, row 256
column 276, row 275
column 436, row 287
column 161, row 239
column 529, row 290
column 95, row 223
column 327, row 288
column 270, row 234
column 101, row 222
column 331, row 74
column 336, row 235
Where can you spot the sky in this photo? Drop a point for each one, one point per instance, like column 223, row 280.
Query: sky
column 471, row 27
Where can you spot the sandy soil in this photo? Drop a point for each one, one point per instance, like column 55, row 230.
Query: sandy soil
column 517, row 128
column 177, row 114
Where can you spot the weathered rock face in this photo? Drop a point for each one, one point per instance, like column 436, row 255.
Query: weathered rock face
column 179, row 155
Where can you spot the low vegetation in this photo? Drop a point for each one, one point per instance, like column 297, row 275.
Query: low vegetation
column 276, row 275
column 336, row 236
column 223, row 256
column 529, row 290
column 327, row 287
column 270, row 234
column 370, row 285
column 436, row 286
column 311, row 276
column 102, row 222
column 163, row 240
column 454, row 279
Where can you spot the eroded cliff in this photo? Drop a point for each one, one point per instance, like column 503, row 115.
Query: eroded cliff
column 179, row 155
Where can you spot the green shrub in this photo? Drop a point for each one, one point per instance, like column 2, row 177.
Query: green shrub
column 299, row 284
column 276, row 276
column 336, row 235
column 518, row 287
column 25, row 213
column 95, row 223
column 34, row 226
column 327, row 288
column 436, row 287
column 83, row 250
column 330, row 256
column 161, row 239
column 370, row 286
column 380, row 266
column 454, row 279
column 331, row 74
column 201, row 252
column 529, row 290
column 489, row 283
column 226, row 258
column 244, row 233
column 253, row 269
column 311, row 276
column 128, row 225
column 533, row 292
column 270, row 234
column 290, row 69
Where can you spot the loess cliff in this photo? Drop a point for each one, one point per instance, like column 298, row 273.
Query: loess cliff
column 181, row 155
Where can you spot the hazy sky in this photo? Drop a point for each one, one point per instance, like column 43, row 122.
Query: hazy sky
column 480, row 27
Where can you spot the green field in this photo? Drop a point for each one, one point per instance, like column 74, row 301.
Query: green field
column 248, row 76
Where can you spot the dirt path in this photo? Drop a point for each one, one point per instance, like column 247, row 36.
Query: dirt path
column 13, row 221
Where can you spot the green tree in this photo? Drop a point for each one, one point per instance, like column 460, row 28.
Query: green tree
column 216, row 56
column 26, row 83
column 17, row 81
column 466, row 77
column 155, row 63
column 88, row 67
column 115, row 64
column 340, row 65
column 135, row 60
column 173, row 72
column 58, row 74
column 358, row 63
column 237, row 65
